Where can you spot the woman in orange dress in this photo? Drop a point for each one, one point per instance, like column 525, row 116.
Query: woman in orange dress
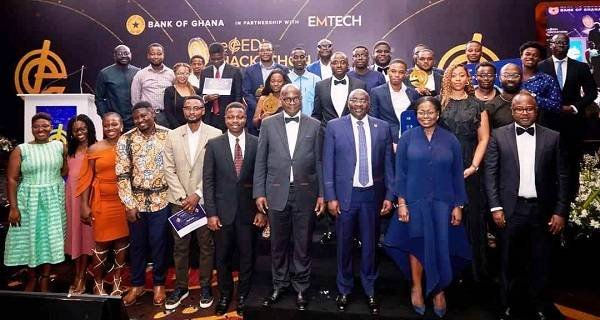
column 101, row 206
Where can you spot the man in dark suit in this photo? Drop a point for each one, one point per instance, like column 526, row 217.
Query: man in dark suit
column 424, row 61
column 572, row 76
column 388, row 101
column 288, row 185
column 358, row 174
column 526, row 185
column 331, row 95
column 255, row 77
column 215, row 104
column 227, row 180
column 321, row 66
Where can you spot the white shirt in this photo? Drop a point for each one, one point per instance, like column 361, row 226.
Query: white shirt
column 220, row 71
column 430, row 85
column 563, row 67
column 339, row 95
column 326, row 71
column 242, row 143
column 400, row 102
column 266, row 71
column 526, row 151
column 365, row 120
column 192, row 141
column 291, row 130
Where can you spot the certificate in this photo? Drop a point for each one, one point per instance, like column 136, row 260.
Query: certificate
column 220, row 86
column 185, row 222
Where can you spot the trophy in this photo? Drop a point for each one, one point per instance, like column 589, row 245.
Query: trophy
column 270, row 104
column 258, row 91
column 418, row 78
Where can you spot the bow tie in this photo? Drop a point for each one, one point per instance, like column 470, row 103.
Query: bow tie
column 336, row 82
column 383, row 70
column 290, row 119
column 530, row 130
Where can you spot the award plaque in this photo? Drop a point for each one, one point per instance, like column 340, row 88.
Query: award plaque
column 270, row 104
column 418, row 78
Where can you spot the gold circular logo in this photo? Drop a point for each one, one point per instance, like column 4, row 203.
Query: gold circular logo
column 39, row 65
column 457, row 54
column 197, row 46
column 234, row 45
column 135, row 24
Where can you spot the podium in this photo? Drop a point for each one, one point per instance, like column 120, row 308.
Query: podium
column 61, row 107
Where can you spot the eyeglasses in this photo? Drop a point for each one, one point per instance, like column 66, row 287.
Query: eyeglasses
column 182, row 74
column 513, row 76
column 424, row 113
column 523, row 110
column 292, row 99
column 486, row 75
column 359, row 101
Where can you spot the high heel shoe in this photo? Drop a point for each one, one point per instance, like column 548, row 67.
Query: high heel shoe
column 419, row 309
column 78, row 286
column 117, row 291
column 440, row 312
column 99, row 288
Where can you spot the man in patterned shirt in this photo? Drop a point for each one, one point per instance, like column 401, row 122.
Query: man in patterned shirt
column 143, row 190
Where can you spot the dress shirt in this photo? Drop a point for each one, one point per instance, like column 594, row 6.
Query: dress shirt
column 326, row 71
column 221, row 68
column 149, row 85
column 375, row 68
column 242, row 143
column 564, row 75
column 526, row 150
column 266, row 71
column 355, row 181
column 291, row 130
column 400, row 102
column 339, row 95
column 192, row 141
column 430, row 85
column 194, row 80
column 306, row 83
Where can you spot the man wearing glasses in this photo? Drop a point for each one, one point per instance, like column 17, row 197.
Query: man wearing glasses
column 499, row 108
column 360, row 58
column 485, row 74
column 321, row 66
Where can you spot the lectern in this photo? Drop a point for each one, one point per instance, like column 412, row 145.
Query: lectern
column 61, row 107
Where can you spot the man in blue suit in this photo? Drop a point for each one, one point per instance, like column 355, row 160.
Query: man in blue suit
column 389, row 100
column 254, row 78
column 321, row 66
column 358, row 174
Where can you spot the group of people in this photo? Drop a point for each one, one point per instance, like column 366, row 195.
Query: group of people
column 337, row 145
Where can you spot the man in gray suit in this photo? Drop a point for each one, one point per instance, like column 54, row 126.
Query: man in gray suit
column 288, row 184
column 184, row 158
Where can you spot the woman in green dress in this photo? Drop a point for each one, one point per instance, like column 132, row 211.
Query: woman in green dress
column 36, row 193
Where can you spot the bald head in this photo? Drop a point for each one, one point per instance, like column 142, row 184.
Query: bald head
column 290, row 99
column 524, row 109
column 510, row 78
column 339, row 64
column 122, row 55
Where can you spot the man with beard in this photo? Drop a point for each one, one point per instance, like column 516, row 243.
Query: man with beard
column 303, row 79
column 360, row 57
column 573, row 77
column 381, row 57
column 113, row 86
column 184, row 156
column 499, row 108
column 197, row 63
column 321, row 66
column 149, row 84
column 255, row 77
column 424, row 62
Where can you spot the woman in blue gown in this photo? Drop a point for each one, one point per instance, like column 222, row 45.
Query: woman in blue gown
column 428, row 236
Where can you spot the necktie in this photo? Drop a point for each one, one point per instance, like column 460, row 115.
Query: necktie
column 290, row 119
column 383, row 70
column 238, row 158
column 215, row 108
column 529, row 130
column 363, row 166
column 559, row 73
column 336, row 82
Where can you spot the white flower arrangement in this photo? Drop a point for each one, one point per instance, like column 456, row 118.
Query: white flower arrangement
column 585, row 210
column 6, row 145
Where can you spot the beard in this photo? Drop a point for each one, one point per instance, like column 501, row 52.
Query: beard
column 511, row 89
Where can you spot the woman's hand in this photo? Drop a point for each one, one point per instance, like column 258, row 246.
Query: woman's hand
column 456, row 216
column 14, row 217
column 86, row 215
column 469, row 171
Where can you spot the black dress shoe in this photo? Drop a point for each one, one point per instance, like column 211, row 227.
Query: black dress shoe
column 241, row 306
column 222, row 306
column 342, row 302
column 273, row 298
column 301, row 301
column 373, row 305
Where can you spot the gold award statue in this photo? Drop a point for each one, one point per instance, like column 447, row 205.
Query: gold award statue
column 270, row 104
column 418, row 78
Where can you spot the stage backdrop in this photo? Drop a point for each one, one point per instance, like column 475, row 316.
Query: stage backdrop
column 49, row 39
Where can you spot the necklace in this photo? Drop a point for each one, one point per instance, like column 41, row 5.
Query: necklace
column 464, row 96
column 486, row 97
column 502, row 97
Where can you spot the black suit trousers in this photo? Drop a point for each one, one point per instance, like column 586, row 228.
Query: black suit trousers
column 240, row 236
column 291, row 235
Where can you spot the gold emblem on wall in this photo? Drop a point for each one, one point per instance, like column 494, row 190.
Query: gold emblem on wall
column 135, row 24
column 457, row 54
column 39, row 65
column 58, row 134
column 197, row 46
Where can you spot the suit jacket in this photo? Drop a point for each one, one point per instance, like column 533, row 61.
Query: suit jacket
column 315, row 67
column 185, row 177
column 229, row 71
column 339, row 160
column 273, row 163
column 438, row 74
column 225, row 194
column 578, row 77
column 382, row 107
column 253, row 79
column 324, row 109
column 502, row 171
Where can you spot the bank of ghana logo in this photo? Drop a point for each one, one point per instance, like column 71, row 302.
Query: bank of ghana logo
column 457, row 54
column 35, row 67
column 135, row 24
column 197, row 46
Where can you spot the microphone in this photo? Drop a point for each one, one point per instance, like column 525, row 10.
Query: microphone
column 80, row 70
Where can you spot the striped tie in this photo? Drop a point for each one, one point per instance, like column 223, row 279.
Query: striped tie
column 238, row 158
column 363, row 165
